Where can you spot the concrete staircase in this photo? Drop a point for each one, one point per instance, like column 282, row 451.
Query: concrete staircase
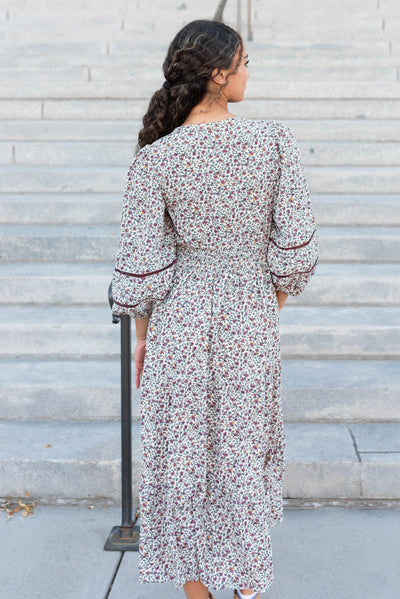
column 77, row 83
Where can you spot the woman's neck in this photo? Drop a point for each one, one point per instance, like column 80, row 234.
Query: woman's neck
column 208, row 111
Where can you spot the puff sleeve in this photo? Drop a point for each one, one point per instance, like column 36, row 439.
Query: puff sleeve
column 146, row 256
column 292, row 253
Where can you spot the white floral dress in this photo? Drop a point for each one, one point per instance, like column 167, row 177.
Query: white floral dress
column 216, row 217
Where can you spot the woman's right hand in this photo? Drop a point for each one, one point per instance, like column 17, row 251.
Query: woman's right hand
column 140, row 352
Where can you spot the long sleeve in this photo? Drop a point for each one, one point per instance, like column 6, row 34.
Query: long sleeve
column 293, row 243
column 147, row 252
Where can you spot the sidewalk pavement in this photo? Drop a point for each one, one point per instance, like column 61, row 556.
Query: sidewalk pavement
column 325, row 552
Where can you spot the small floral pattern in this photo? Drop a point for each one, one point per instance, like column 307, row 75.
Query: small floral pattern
column 216, row 218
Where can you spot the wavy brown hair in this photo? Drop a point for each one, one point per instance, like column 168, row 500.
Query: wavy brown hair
column 196, row 50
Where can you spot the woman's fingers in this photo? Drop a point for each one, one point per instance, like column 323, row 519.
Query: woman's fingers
column 140, row 351
column 138, row 372
column 137, row 376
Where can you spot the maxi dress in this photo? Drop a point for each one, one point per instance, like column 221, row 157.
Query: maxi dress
column 216, row 217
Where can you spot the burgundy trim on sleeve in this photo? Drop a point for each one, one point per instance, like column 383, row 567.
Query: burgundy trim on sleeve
column 146, row 274
column 299, row 272
column 294, row 247
column 134, row 305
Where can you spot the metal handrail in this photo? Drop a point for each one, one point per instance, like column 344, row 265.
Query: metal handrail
column 220, row 10
column 126, row 536
column 218, row 16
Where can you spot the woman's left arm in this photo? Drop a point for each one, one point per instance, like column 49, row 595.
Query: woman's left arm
column 293, row 245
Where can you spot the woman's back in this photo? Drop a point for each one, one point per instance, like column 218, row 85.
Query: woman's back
column 234, row 187
column 218, row 181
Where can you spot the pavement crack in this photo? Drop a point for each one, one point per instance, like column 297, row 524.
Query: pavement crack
column 354, row 444
column 115, row 575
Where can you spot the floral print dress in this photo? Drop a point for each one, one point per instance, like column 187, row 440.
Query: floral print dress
column 216, row 218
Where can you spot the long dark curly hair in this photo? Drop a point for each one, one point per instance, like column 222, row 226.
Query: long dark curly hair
column 196, row 50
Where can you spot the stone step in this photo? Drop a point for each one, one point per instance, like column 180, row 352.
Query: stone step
column 60, row 30
column 105, row 8
column 312, row 390
column 340, row 391
column 280, row 109
column 70, row 209
column 55, row 283
column 142, row 75
column 316, row 10
column 260, row 108
column 67, row 332
column 371, row 471
column 78, row 179
column 310, row 130
column 340, row 5
column 261, row 74
column 77, row 49
column 353, row 179
column 143, row 49
column 352, row 284
column 330, row 23
column 317, row 34
column 32, row 243
column 356, row 209
column 109, row 153
column 83, row 73
column 81, row 460
column 71, row 332
column 314, row 27
column 105, row 209
column 329, row 49
column 55, row 243
column 265, row 58
column 47, row 22
column 331, row 90
column 69, row 390
column 330, row 153
column 340, row 332
column 112, row 179
column 392, row 26
column 348, row 244
column 61, row 283
column 345, row 130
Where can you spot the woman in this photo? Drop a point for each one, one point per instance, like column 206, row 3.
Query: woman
column 217, row 229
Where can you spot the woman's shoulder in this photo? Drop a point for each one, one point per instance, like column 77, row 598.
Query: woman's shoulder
column 155, row 151
column 148, row 156
column 271, row 126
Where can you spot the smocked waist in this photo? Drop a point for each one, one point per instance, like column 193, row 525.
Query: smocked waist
column 225, row 250
column 241, row 254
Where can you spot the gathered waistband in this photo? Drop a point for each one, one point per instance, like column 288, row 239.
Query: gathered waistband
column 239, row 251
column 239, row 257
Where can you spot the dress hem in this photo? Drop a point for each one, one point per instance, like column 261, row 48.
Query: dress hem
column 207, row 580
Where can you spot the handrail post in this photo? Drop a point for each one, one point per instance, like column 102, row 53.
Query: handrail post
column 126, row 421
column 249, row 29
column 126, row 536
column 219, row 11
column 218, row 16
column 239, row 16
